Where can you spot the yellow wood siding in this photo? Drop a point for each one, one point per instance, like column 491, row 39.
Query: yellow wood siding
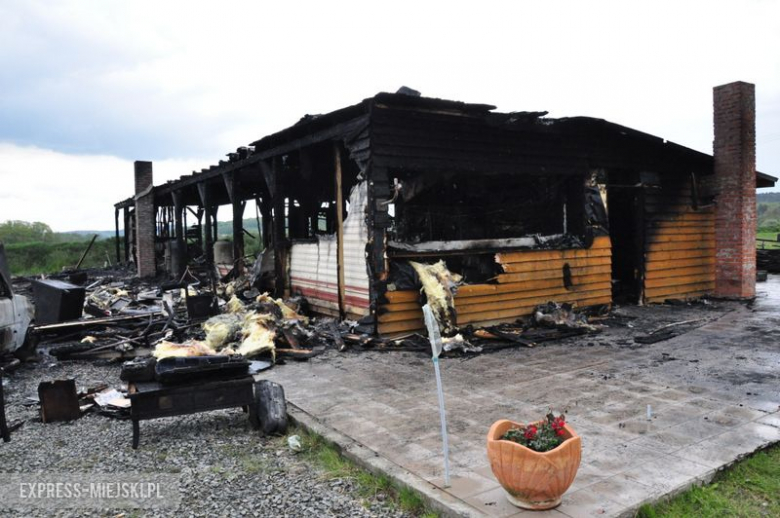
column 530, row 278
column 679, row 246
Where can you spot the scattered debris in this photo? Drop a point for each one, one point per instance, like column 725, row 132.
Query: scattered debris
column 557, row 315
column 294, row 443
column 665, row 332
column 59, row 401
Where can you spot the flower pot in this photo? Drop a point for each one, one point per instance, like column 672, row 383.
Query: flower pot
column 533, row 480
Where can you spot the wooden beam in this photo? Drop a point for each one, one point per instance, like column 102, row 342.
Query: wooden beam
column 233, row 187
column 278, row 236
column 339, row 230
column 116, row 224
column 205, row 199
column 126, row 240
column 181, row 242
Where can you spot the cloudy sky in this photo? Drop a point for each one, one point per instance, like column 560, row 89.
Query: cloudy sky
column 86, row 87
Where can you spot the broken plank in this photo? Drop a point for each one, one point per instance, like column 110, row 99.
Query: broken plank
column 479, row 290
column 93, row 322
column 704, row 269
column 397, row 327
column 673, row 264
column 534, row 299
column 401, row 306
column 544, row 255
column 682, row 245
column 655, row 255
column 402, row 296
column 677, row 230
column 396, row 316
column 676, row 217
column 667, row 236
column 678, row 281
column 575, row 273
column 558, row 289
column 679, row 291
column 491, row 316
column 555, row 264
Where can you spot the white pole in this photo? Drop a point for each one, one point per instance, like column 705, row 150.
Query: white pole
column 435, row 338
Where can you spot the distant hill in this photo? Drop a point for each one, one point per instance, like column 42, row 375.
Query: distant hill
column 102, row 234
column 768, row 197
column 768, row 210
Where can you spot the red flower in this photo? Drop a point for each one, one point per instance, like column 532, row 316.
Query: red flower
column 530, row 432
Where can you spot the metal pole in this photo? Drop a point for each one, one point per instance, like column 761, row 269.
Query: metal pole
column 436, row 346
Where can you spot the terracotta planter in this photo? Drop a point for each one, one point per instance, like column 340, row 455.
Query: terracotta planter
column 533, row 480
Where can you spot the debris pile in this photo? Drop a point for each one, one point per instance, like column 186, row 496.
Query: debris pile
column 125, row 318
column 60, row 400
column 768, row 260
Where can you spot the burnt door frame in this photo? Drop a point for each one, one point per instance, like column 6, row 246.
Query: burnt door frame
column 627, row 229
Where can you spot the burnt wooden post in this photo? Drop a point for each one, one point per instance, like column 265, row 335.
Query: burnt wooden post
column 378, row 221
column 181, row 242
column 116, row 225
column 215, row 223
column 233, row 187
column 205, row 199
column 265, row 215
column 278, row 229
column 339, row 231
column 128, row 233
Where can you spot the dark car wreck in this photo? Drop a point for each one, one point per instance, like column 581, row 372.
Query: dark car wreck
column 16, row 312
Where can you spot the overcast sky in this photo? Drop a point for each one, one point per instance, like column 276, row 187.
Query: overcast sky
column 86, row 87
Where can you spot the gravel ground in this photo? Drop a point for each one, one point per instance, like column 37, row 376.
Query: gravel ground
column 225, row 467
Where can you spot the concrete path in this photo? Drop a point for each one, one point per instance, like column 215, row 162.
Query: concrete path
column 714, row 394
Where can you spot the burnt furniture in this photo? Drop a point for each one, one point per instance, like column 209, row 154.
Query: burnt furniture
column 59, row 400
column 57, row 301
column 151, row 400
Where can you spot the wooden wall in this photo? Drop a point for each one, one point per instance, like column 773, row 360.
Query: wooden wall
column 679, row 245
column 529, row 278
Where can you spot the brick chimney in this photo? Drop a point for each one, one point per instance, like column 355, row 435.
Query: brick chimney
column 144, row 219
column 734, row 150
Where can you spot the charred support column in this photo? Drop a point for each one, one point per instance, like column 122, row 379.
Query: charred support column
column 116, row 225
column 180, row 251
column 265, row 214
column 735, row 177
column 339, row 232
column 378, row 221
column 144, row 219
column 126, row 240
column 205, row 199
column 233, row 188
column 278, row 241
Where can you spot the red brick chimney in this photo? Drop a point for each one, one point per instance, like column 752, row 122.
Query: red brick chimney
column 734, row 150
column 144, row 219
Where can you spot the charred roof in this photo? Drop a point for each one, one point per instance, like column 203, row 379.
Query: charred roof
column 466, row 135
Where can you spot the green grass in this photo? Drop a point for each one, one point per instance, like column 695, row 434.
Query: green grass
column 749, row 488
column 772, row 236
column 370, row 486
column 35, row 258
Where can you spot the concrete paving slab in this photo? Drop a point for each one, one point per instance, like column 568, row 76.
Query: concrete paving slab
column 713, row 392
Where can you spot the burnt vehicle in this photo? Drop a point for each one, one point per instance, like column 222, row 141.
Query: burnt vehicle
column 16, row 312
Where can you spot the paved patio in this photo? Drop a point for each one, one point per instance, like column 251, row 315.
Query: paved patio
column 714, row 394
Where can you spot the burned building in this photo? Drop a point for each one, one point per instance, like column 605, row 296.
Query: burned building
column 522, row 208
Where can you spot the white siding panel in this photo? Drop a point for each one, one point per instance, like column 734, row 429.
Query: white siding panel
column 313, row 266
